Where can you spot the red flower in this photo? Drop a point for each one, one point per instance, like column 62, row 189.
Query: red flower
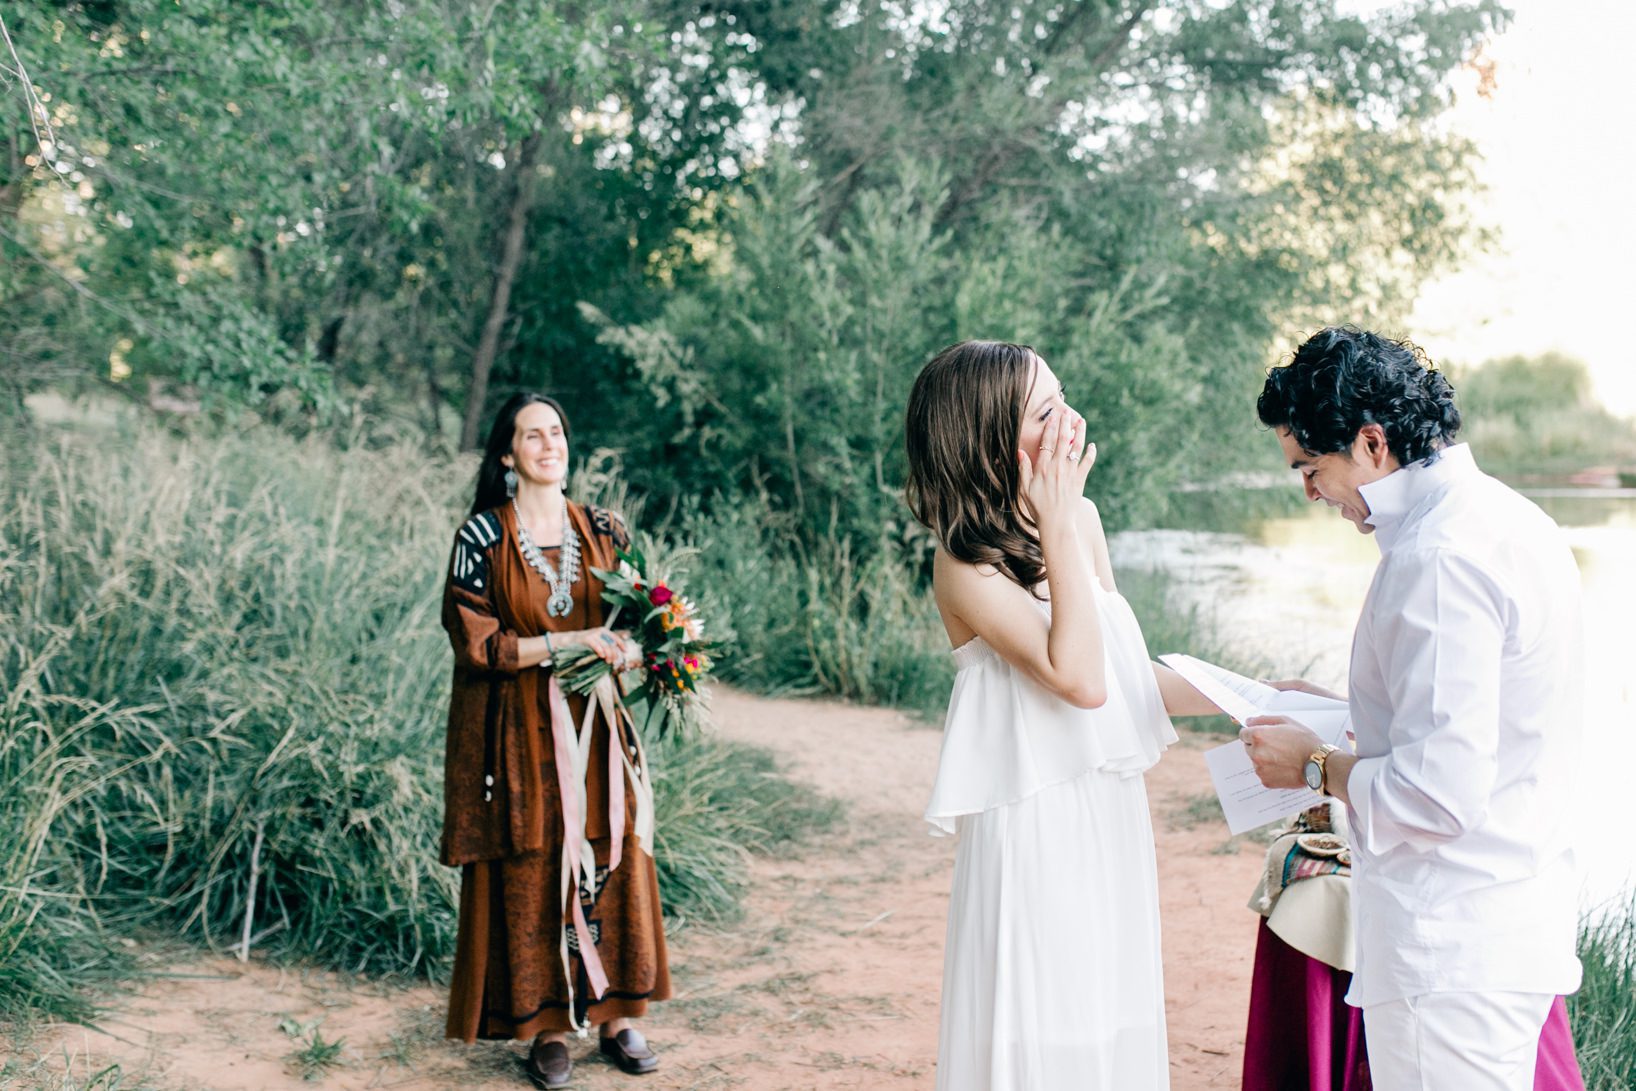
column 660, row 595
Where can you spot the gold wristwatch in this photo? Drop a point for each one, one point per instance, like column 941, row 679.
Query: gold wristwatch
column 1316, row 772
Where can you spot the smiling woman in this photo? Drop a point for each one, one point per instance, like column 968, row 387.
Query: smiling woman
column 550, row 823
column 1055, row 715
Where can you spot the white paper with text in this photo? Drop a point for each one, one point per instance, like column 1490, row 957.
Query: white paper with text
column 1245, row 801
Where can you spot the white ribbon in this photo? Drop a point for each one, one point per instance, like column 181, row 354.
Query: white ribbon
column 573, row 759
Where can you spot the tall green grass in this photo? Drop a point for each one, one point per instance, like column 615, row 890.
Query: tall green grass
column 716, row 803
column 253, row 623
column 50, row 940
column 864, row 628
column 821, row 620
column 1603, row 1012
column 225, row 691
column 229, row 651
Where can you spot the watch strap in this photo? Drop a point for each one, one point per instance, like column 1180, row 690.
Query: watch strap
column 1320, row 756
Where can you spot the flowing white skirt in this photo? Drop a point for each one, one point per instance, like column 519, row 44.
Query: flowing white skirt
column 1052, row 976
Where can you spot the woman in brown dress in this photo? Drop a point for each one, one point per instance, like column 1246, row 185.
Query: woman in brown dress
column 547, row 806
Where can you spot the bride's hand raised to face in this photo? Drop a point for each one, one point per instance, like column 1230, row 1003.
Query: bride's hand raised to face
column 1053, row 481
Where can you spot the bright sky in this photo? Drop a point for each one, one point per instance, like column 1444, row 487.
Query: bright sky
column 1559, row 143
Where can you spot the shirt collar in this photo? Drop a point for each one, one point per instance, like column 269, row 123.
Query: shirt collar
column 1396, row 496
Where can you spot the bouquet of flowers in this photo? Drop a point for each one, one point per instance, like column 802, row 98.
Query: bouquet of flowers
column 675, row 654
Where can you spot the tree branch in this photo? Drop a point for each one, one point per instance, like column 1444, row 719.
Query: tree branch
column 511, row 256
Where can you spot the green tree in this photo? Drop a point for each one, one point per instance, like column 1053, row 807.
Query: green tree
column 355, row 192
column 1148, row 192
column 771, row 212
column 1539, row 416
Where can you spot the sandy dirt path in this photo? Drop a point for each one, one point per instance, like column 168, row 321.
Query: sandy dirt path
column 831, row 981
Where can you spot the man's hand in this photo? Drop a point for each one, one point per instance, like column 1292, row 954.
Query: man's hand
column 1279, row 747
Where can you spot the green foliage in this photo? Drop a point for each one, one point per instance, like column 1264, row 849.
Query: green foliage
column 1151, row 243
column 852, row 624
column 1518, row 387
column 233, row 358
column 1150, row 193
column 316, row 1056
column 717, row 803
column 1600, row 1013
column 1539, row 416
column 348, row 188
column 225, row 692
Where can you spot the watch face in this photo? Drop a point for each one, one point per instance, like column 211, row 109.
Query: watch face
column 1314, row 776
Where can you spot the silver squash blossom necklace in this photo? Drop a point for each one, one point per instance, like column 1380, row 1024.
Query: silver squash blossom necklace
column 562, row 583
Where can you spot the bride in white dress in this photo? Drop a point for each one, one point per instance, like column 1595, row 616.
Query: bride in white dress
column 1052, row 976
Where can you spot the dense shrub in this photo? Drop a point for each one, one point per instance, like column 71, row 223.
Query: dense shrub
column 225, row 689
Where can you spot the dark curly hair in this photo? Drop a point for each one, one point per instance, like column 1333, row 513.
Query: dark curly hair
column 964, row 419
column 1343, row 378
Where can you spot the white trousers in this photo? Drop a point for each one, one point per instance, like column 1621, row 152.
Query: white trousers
column 1456, row 1041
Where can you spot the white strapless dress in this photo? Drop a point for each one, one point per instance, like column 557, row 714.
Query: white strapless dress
column 1052, row 976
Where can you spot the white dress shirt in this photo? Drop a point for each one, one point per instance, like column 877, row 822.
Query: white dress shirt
column 1466, row 693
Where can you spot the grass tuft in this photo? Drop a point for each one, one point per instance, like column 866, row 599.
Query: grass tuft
column 1603, row 1011
column 74, row 1074
column 717, row 802
column 224, row 692
column 316, row 1056
column 1194, row 811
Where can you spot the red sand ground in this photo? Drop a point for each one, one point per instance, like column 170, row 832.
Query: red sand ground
column 831, row 981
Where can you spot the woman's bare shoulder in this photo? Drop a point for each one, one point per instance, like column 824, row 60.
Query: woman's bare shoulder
column 1089, row 514
column 958, row 586
column 1095, row 539
column 950, row 571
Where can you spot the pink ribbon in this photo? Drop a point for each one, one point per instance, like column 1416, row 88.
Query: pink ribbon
column 616, row 780
column 572, row 829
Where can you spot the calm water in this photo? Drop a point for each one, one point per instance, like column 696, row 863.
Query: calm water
column 1287, row 590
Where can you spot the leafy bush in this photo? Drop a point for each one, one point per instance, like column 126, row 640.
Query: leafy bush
column 852, row 623
column 226, row 691
column 1538, row 415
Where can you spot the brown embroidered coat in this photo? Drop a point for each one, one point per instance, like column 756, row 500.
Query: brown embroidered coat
column 496, row 803
column 518, row 970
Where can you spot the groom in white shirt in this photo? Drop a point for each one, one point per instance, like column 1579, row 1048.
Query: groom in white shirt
column 1466, row 684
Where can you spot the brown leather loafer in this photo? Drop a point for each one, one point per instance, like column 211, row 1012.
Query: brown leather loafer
column 549, row 1065
column 629, row 1050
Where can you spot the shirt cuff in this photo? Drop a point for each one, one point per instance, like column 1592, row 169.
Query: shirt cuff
column 1374, row 832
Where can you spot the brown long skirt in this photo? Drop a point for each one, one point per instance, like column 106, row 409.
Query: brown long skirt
column 509, row 980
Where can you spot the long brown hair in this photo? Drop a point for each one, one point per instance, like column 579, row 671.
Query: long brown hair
column 964, row 421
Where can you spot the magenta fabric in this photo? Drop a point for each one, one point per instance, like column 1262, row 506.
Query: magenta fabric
column 1558, row 1065
column 1303, row 1036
